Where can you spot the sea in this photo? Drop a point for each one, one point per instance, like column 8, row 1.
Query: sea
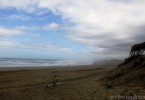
column 19, row 62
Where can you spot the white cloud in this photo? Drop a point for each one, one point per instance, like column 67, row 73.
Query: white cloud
column 10, row 31
column 49, row 47
column 18, row 17
column 23, row 27
column 19, row 31
column 34, row 46
column 42, row 12
column 26, row 5
column 5, row 43
column 51, row 26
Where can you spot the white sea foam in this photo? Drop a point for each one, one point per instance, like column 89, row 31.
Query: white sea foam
column 12, row 62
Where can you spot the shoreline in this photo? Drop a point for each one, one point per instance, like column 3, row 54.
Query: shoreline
column 41, row 67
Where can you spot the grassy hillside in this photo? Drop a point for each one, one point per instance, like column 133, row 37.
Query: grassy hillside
column 129, row 77
column 108, row 63
column 131, row 72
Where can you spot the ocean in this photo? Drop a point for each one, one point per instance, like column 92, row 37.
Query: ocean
column 17, row 62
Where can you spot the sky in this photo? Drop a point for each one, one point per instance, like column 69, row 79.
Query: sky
column 81, row 30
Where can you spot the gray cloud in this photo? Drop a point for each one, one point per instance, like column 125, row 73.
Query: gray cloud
column 138, row 33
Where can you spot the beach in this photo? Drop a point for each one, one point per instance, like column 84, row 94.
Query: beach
column 53, row 83
column 60, row 83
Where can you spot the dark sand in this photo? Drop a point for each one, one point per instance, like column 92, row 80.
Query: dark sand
column 57, row 83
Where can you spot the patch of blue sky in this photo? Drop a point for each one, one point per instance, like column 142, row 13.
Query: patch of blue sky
column 11, row 18
column 59, row 38
column 8, row 11
column 14, row 17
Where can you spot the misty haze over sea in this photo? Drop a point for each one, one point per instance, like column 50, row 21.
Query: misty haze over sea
column 19, row 62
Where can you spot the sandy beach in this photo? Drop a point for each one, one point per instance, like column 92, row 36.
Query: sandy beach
column 57, row 83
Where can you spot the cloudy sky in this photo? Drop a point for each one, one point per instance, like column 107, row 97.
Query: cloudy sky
column 70, row 29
